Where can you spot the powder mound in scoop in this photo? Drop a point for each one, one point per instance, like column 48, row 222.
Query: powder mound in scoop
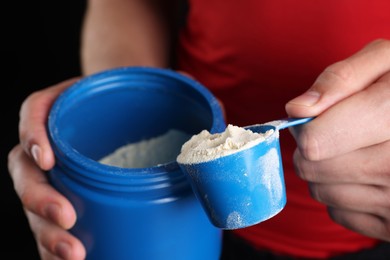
column 206, row 147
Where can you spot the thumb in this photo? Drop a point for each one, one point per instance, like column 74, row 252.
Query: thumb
column 342, row 79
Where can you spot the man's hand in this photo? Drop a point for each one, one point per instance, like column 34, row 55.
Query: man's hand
column 344, row 153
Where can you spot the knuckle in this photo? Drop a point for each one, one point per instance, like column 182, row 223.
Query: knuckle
column 303, row 168
column 383, row 44
column 13, row 160
column 298, row 164
column 30, row 201
column 334, row 215
column 381, row 168
column 36, row 98
column 341, row 217
column 12, row 154
column 342, row 72
column 380, row 101
column 315, row 192
column 309, row 145
column 386, row 235
column 383, row 205
column 25, row 197
column 31, row 99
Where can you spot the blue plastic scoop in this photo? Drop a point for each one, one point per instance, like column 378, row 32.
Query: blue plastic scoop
column 245, row 187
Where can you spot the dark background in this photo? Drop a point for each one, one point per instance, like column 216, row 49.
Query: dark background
column 40, row 42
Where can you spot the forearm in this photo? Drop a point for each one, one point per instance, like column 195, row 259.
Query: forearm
column 124, row 33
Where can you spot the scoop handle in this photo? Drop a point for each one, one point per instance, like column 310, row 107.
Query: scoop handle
column 279, row 124
column 287, row 122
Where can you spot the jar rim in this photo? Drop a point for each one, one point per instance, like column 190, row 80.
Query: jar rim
column 116, row 174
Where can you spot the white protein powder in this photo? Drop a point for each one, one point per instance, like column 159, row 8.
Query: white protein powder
column 149, row 152
column 205, row 146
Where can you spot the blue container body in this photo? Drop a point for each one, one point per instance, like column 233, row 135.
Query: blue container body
column 244, row 188
column 138, row 213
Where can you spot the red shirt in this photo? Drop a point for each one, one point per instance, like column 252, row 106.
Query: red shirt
column 255, row 55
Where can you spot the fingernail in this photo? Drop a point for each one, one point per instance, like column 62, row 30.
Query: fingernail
column 62, row 250
column 36, row 152
column 309, row 98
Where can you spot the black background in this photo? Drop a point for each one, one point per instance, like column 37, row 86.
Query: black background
column 40, row 41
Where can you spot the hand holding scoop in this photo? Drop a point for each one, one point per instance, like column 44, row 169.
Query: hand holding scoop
column 238, row 177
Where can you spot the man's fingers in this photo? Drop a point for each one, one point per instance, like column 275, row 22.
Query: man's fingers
column 36, row 194
column 53, row 241
column 363, row 223
column 364, row 166
column 32, row 123
column 359, row 121
column 354, row 197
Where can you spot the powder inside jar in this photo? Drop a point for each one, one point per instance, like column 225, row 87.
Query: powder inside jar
column 149, row 152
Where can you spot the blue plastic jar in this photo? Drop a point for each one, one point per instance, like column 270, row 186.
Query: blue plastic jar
column 138, row 213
